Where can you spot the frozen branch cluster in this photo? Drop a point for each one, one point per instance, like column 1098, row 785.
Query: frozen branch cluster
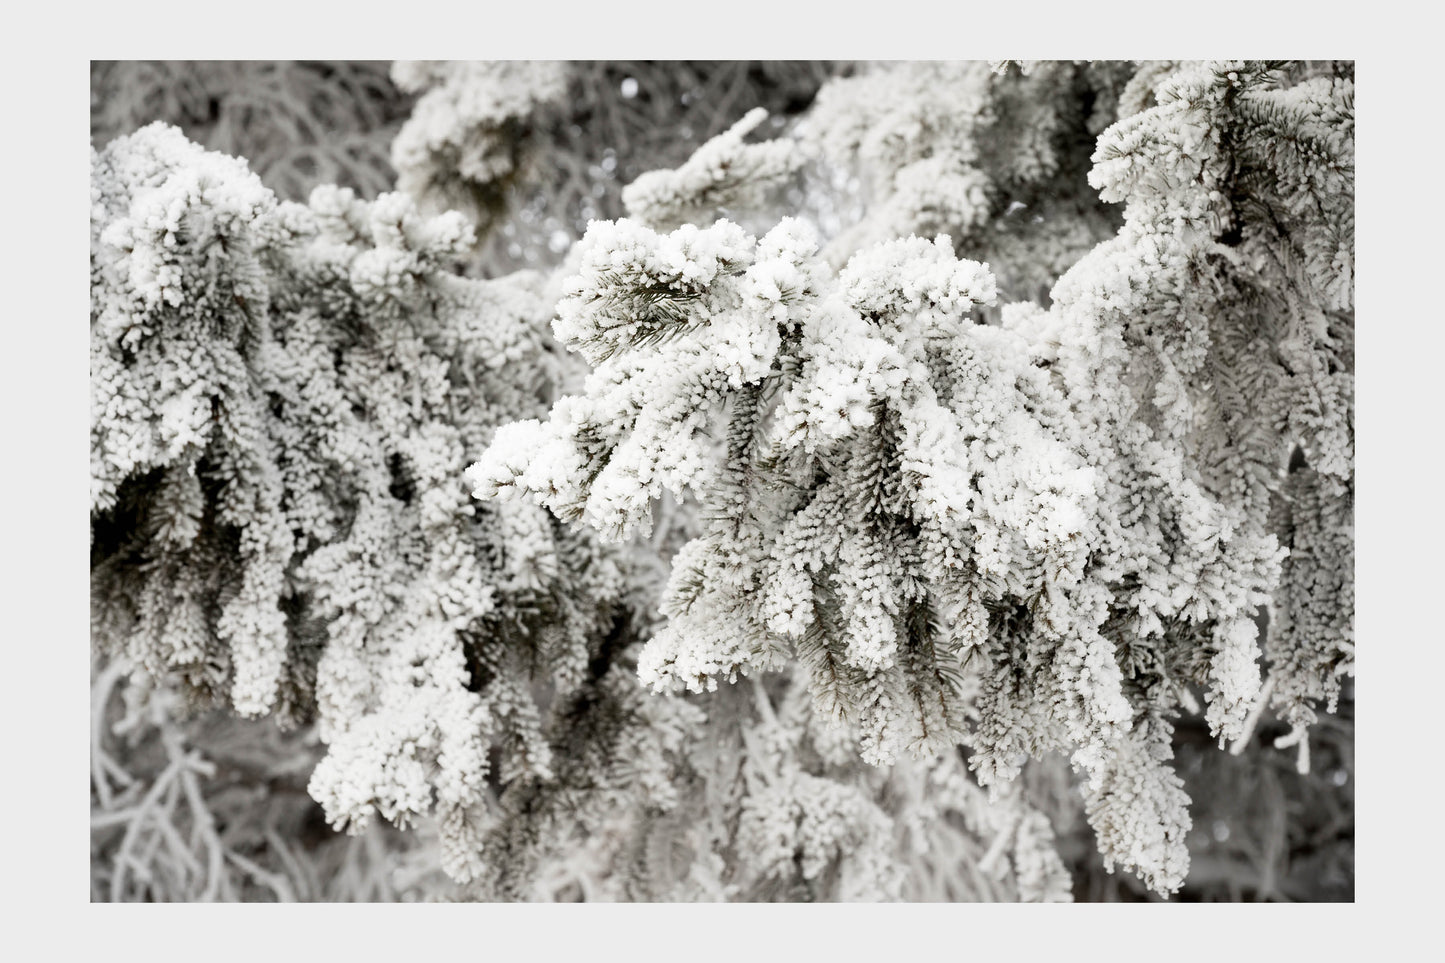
column 1239, row 204
column 177, row 324
column 898, row 497
column 467, row 139
column 283, row 396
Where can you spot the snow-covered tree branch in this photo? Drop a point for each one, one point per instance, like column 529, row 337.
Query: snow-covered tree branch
column 883, row 499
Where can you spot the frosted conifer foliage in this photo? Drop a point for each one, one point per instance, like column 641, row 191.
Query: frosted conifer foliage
column 283, row 396
column 957, row 573
column 900, row 498
column 1239, row 193
column 178, row 322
